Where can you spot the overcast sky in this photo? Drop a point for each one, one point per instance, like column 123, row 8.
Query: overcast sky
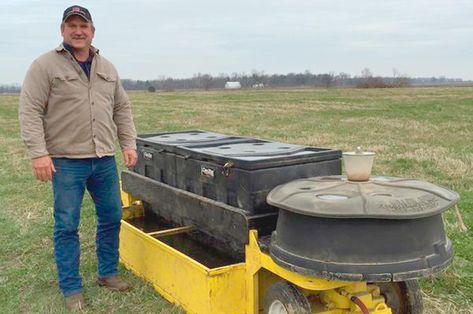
column 148, row 39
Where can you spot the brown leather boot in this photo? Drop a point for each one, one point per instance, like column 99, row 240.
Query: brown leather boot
column 114, row 283
column 75, row 302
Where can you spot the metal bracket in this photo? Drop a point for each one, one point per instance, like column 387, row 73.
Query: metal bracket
column 227, row 168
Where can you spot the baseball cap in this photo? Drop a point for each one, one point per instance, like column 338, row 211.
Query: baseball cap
column 77, row 10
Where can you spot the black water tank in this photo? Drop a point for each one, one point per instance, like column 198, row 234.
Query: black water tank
column 237, row 171
column 242, row 174
column 385, row 229
column 157, row 151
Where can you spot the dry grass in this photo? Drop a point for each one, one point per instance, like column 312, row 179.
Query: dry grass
column 459, row 166
column 437, row 305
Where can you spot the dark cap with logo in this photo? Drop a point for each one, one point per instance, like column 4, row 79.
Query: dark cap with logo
column 77, row 10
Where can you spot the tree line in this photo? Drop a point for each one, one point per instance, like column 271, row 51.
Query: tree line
column 260, row 79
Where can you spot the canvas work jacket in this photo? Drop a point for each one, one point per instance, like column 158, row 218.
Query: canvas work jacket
column 64, row 114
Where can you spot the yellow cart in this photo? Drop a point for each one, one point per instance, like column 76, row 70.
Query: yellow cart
column 254, row 285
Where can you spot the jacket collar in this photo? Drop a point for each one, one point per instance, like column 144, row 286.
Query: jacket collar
column 60, row 48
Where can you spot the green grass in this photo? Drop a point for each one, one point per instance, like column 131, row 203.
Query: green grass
column 423, row 133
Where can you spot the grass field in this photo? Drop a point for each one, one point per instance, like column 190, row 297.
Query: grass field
column 424, row 133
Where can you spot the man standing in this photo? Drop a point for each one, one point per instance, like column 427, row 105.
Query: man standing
column 72, row 109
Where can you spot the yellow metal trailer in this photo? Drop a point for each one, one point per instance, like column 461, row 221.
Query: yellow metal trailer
column 242, row 287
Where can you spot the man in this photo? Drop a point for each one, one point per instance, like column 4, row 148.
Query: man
column 72, row 109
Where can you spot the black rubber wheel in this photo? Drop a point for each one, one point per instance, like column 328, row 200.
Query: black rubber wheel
column 403, row 297
column 285, row 298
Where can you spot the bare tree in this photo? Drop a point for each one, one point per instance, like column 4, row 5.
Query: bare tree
column 257, row 76
column 366, row 73
column 327, row 80
column 205, row 81
column 168, row 85
column 400, row 80
column 369, row 81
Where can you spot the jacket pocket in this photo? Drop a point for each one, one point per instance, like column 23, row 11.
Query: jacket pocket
column 107, row 77
column 65, row 79
column 106, row 84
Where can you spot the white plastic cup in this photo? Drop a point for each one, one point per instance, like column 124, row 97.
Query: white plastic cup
column 358, row 164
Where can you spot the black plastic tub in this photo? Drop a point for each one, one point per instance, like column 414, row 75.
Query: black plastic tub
column 242, row 174
column 382, row 229
column 376, row 250
column 237, row 171
column 157, row 151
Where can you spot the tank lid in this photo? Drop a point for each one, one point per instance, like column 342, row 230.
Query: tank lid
column 380, row 197
column 255, row 149
column 185, row 137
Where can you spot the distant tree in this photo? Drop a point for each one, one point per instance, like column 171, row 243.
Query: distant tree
column 245, row 80
column 13, row 88
column 220, row 80
column 404, row 81
column 234, row 77
column 151, row 89
column 366, row 73
column 168, row 85
column 202, row 80
column 257, row 77
column 343, row 76
column 327, row 80
column 369, row 81
column 343, row 79
column 400, row 80
column 206, row 81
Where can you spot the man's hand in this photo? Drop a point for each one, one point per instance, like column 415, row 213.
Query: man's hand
column 43, row 168
column 130, row 157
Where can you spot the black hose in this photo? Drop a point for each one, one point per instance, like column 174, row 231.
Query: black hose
column 360, row 304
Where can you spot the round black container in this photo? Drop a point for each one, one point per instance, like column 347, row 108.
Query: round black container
column 387, row 229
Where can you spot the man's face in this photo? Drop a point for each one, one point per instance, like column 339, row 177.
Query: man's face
column 77, row 32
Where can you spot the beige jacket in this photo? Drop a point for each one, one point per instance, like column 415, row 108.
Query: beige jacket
column 63, row 114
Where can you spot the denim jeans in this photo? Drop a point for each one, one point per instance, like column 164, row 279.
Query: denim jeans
column 72, row 177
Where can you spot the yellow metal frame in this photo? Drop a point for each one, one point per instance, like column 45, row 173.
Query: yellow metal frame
column 236, row 288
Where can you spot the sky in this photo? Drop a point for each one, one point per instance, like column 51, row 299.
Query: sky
column 150, row 39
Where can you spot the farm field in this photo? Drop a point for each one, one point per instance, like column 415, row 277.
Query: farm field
column 424, row 133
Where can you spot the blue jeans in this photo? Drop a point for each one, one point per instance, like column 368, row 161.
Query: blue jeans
column 72, row 177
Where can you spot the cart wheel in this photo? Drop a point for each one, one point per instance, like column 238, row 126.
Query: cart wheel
column 403, row 297
column 285, row 298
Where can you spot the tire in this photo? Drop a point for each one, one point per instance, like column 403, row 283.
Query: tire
column 285, row 298
column 403, row 297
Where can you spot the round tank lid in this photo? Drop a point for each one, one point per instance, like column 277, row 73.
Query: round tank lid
column 380, row 197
